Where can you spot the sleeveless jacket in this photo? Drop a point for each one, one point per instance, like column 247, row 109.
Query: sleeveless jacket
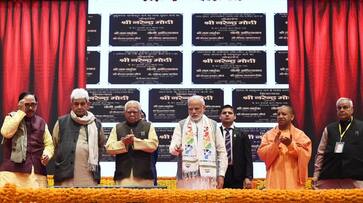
column 348, row 164
column 137, row 160
column 34, row 129
column 65, row 154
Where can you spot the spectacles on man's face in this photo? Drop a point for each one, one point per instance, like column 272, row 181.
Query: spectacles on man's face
column 345, row 107
column 132, row 112
column 28, row 105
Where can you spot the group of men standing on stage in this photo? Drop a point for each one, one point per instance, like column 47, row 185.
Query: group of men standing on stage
column 209, row 155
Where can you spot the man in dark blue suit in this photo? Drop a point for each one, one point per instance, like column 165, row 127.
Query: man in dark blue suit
column 240, row 170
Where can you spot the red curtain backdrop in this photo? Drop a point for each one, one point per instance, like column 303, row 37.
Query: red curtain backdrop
column 42, row 49
column 325, row 40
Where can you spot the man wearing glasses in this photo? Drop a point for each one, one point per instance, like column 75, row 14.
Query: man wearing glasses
column 133, row 142
column 339, row 159
column 27, row 145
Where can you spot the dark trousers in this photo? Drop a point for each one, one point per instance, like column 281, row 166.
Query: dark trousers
column 230, row 181
column 154, row 159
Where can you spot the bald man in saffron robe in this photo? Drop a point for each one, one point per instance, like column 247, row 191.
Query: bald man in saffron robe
column 286, row 152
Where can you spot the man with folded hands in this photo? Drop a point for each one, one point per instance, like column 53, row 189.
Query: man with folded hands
column 286, row 152
column 133, row 142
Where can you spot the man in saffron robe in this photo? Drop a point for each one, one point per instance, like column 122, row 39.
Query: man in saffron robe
column 286, row 152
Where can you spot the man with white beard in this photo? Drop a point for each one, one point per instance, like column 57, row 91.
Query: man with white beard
column 200, row 147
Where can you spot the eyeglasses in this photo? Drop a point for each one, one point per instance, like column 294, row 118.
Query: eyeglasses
column 343, row 107
column 28, row 105
column 132, row 112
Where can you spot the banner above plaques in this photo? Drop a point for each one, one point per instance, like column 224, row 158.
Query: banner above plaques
column 146, row 29
column 145, row 67
column 108, row 104
column 229, row 67
column 229, row 29
column 170, row 105
column 258, row 105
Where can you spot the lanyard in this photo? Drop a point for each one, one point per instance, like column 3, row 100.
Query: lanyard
column 343, row 133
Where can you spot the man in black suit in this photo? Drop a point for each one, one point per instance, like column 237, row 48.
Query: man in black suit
column 240, row 170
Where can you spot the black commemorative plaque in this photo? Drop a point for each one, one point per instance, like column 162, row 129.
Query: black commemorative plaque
column 280, row 29
column 255, row 135
column 146, row 30
column 281, row 67
column 258, row 105
column 229, row 67
column 93, row 67
column 108, row 104
column 145, row 67
column 229, row 29
column 105, row 156
column 165, row 134
column 170, row 105
column 93, row 30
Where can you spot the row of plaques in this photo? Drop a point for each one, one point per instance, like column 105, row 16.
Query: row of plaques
column 167, row 105
column 165, row 134
column 208, row 29
column 208, row 67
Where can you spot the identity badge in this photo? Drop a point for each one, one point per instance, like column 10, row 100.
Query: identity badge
column 339, row 147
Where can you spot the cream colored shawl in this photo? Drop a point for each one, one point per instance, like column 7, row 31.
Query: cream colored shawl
column 199, row 154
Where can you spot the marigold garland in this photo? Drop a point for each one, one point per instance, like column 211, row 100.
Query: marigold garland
column 170, row 182
column 10, row 193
